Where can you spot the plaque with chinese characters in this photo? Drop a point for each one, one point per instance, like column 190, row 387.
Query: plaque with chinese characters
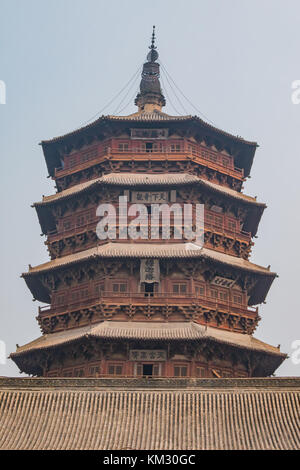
column 149, row 271
column 149, row 133
column 151, row 197
column 222, row 281
column 147, row 355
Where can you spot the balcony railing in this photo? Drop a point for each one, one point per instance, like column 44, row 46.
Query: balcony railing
column 131, row 149
column 155, row 298
column 221, row 229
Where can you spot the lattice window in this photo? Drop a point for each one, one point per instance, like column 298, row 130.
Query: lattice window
column 237, row 299
column 180, row 288
column 99, row 288
column 223, row 295
column 214, row 293
column 115, row 369
column 119, row 287
column 157, row 147
column 199, row 289
column 200, row 371
column 123, row 147
column 175, row 147
column 180, row 370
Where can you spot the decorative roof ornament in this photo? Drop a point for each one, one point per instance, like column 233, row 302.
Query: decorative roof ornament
column 153, row 54
column 153, row 39
column 150, row 97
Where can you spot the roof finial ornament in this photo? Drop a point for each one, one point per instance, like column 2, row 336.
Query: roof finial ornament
column 153, row 54
column 153, row 39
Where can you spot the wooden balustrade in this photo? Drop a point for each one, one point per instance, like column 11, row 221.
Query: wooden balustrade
column 155, row 298
column 122, row 149
column 55, row 235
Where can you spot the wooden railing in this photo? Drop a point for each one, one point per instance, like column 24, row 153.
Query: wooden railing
column 223, row 230
column 156, row 298
column 219, row 229
column 131, row 149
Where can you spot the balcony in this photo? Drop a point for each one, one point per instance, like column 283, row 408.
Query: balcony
column 219, row 229
column 225, row 231
column 155, row 299
column 130, row 150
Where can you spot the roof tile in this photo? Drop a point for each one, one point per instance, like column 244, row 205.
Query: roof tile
column 149, row 250
column 147, row 331
column 134, row 179
column 69, row 414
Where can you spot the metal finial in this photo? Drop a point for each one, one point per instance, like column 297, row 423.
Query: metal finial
column 153, row 39
column 153, row 54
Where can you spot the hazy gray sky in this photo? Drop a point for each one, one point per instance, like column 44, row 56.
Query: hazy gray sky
column 63, row 60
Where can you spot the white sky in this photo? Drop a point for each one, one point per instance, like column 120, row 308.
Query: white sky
column 63, row 60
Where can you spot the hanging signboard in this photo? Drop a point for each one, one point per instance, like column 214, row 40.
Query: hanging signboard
column 150, row 197
column 149, row 271
column 147, row 355
column 222, row 281
column 149, row 133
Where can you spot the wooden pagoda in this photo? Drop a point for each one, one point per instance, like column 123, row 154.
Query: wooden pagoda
column 195, row 316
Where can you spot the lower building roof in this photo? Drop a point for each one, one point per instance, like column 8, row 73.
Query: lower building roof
column 148, row 331
column 156, row 414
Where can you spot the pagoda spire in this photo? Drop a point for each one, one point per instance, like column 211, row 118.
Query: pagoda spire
column 150, row 97
column 153, row 39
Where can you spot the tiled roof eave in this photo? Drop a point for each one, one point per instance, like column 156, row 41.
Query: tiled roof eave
column 105, row 180
column 117, row 250
column 208, row 339
column 182, row 332
column 159, row 118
